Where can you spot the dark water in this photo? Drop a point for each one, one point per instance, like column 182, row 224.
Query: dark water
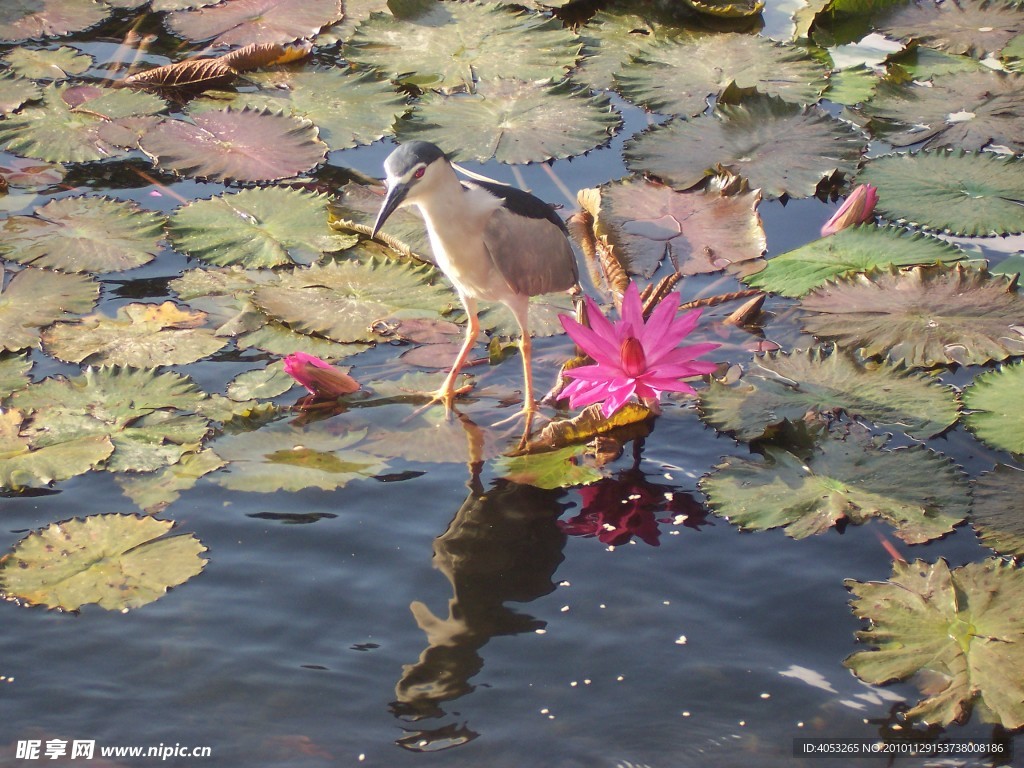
column 446, row 619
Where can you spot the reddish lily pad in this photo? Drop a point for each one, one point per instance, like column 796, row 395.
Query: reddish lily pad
column 34, row 19
column 922, row 317
column 242, row 145
column 242, row 22
column 701, row 230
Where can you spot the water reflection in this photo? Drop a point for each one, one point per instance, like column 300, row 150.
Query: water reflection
column 503, row 545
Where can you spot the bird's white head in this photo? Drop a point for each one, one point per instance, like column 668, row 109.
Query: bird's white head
column 413, row 171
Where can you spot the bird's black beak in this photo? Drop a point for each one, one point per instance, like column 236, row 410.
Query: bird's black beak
column 396, row 194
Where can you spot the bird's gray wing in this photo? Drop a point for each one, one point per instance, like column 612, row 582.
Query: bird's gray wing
column 532, row 254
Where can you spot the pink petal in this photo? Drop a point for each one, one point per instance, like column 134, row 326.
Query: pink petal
column 685, row 354
column 596, row 373
column 590, row 342
column 601, row 325
column 659, row 323
column 632, row 310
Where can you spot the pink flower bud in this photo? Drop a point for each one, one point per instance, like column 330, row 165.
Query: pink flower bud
column 631, row 352
column 320, row 378
column 856, row 209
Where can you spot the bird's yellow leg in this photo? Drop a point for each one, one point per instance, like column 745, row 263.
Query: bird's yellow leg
column 448, row 391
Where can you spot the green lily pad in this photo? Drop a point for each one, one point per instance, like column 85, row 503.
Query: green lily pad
column 701, row 231
column 362, row 108
column 974, row 27
column 119, row 562
column 68, row 126
column 148, row 416
column 993, row 411
column 154, row 493
column 34, row 298
column 847, row 478
column 514, row 121
column 341, row 300
column 13, row 373
column 953, row 191
column 198, row 283
column 141, row 336
column 727, row 9
column 960, row 632
column 242, row 22
column 856, row 249
column 43, row 64
column 265, row 227
column 35, row 19
column 452, row 46
column 544, row 311
column 83, row 234
column 260, row 383
column 562, row 468
column 22, row 467
column 15, row 91
column 923, row 316
column 610, row 39
column 242, row 145
column 971, row 110
column 798, row 384
column 852, row 86
column 916, row 63
column 282, row 458
column 780, row 148
column 998, row 510
column 677, row 77
column 430, row 437
column 279, row 339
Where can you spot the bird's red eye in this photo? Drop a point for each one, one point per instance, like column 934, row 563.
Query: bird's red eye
column 419, row 173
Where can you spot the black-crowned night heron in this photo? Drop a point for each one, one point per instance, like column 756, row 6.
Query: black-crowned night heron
column 494, row 242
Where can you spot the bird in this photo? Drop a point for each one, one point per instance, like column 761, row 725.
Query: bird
column 494, row 243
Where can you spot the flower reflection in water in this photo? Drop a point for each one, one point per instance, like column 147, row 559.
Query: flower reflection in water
column 618, row 508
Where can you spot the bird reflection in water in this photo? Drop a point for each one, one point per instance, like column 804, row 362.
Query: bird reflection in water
column 503, row 545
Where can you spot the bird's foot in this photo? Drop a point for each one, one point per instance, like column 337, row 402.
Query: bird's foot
column 528, row 413
column 446, row 396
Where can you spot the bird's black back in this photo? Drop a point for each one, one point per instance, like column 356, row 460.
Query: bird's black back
column 521, row 203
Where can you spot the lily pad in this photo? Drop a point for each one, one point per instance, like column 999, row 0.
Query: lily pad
column 265, row 227
column 855, row 249
column 68, row 126
column 15, row 91
column 780, row 148
column 141, row 336
column 119, row 562
column 971, row 110
column 514, row 121
column 544, row 311
column 83, row 234
column 562, row 468
column 279, row 339
column 993, row 411
column 404, row 230
column 701, row 231
column 44, row 64
column 432, row 438
column 22, row 467
column 847, row 479
column 975, row 27
column 677, row 77
column 452, row 46
column 923, row 317
column 260, row 383
column 283, row 458
column 610, row 39
column 998, row 510
column 35, row 298
column 13, row 373
column 959, row 631
column 362, row 108
column 242, row 22
column 959, row 192
column 341, row 300
column 800, row 384
column 243, row 145
column 148, row 416
column 154, row 493
column 852, row 86
column 35, row 19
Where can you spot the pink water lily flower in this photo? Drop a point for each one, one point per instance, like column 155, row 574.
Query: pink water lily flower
column 856, row 209
column 319, row 377
column 633, row 357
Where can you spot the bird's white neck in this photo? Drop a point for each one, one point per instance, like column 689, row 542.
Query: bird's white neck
column 450, row 210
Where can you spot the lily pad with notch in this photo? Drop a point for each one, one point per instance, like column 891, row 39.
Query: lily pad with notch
column 34, row 298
